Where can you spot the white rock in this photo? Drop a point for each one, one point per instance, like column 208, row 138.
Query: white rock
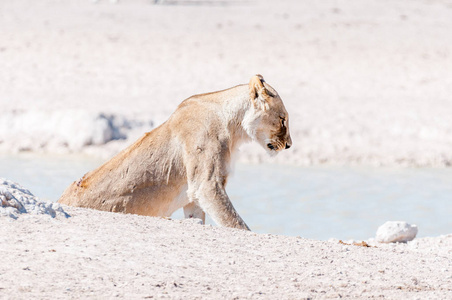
column 396, row 231
column 15, row 200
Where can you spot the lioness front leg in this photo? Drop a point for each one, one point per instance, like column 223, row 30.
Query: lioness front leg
column 212, row 198
column 192, row 210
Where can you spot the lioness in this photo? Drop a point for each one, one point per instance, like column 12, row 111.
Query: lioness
column 185, row 162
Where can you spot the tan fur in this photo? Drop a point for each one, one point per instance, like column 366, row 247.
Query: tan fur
column 185, row 162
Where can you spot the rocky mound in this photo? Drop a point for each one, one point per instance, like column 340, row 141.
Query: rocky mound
column 16, row 200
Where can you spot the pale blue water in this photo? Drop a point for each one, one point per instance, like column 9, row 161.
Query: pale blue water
column 314, row 202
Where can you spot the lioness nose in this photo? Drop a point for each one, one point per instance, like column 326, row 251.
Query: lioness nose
column 288, row 145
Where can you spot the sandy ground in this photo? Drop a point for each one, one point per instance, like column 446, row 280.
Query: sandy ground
column 365, row 82
column 84, row 256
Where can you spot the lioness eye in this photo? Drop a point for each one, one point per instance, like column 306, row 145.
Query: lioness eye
column 283, row 121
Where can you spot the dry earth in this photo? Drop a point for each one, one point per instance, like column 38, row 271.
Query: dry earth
column 104, row 255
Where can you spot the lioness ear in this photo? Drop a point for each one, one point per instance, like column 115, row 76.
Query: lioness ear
column 258, row 93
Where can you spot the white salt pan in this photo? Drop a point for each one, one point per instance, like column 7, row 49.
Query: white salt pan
column 63, row 130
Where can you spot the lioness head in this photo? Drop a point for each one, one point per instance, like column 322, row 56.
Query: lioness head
column 268, row 121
